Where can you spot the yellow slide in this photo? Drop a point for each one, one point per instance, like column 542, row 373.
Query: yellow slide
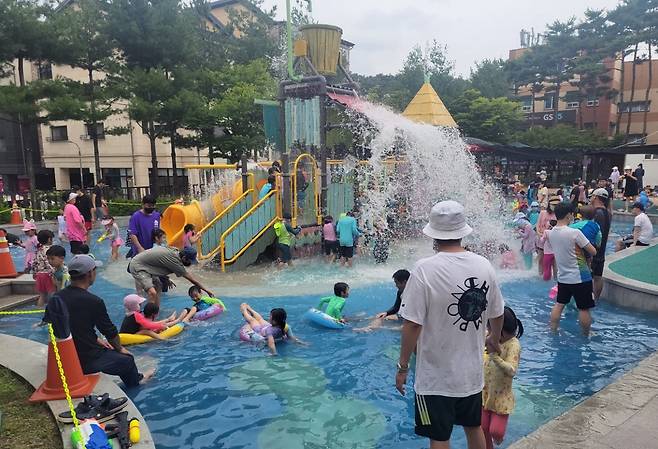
column 199, row 213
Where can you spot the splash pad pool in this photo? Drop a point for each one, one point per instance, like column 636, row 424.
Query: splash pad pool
column 213, row 391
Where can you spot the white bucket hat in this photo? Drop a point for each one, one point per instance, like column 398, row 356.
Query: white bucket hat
column 447, row 222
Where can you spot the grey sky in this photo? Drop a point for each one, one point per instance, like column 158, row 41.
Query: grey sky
column 385, row 30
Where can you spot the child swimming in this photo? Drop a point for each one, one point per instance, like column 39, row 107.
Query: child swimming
column 336, row 303
column 201, row 302
column 143, row 323
column 499, row 371
column 272, row 329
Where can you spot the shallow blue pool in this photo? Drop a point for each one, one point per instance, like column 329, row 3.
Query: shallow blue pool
column 213, row 391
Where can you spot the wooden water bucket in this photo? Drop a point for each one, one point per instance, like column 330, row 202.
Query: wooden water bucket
column 323, row 46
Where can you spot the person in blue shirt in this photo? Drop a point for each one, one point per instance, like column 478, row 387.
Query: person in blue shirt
column 271, row 181
column 644, row 199
column 347, row 231
column 533, row 214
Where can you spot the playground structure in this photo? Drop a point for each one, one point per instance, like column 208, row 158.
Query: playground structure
column 234, row 225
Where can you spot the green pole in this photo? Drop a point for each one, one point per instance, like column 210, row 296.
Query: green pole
column 291, row 70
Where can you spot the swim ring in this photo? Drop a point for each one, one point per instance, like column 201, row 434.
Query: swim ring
column 322, row 319
column 137, row 339
column 211, row 311
column 249, row 335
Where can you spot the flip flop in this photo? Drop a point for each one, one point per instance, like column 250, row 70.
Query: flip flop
column 102, row 408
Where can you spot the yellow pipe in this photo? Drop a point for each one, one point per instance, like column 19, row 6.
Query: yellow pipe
column 222, row 239
column 207, row 166
column 215, row 220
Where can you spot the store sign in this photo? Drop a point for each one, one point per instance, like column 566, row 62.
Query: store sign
column 546, row 118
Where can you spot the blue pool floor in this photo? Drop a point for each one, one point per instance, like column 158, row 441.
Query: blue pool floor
column 213, row 391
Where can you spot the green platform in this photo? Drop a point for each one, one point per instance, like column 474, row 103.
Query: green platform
column 642, row 266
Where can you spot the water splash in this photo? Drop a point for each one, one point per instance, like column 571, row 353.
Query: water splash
column 414, row 165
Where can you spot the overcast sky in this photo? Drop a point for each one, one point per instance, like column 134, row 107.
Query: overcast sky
column 385, row 30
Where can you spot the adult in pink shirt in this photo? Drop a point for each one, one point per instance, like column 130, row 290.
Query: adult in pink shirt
column 543, row 223
column 75, row 225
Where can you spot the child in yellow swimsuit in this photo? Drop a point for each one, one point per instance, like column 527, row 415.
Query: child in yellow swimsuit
column 499, row 371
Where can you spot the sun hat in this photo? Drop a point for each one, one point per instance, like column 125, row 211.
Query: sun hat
column 628, row 167
column 534, row 204
column 81, row 264
column 447, row 222
column 106, row 221
column 72, row 196
column 29, row 226
column 132, row 302
column 615, row 168
column 603, row 193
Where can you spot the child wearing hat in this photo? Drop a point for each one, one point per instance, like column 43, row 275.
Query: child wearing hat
column 142, row 323
column 31, row 244
column 112, row 234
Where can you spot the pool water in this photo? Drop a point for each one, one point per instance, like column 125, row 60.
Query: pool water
column 214, row 391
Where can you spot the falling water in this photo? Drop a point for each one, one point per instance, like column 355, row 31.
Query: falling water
column 436, row 166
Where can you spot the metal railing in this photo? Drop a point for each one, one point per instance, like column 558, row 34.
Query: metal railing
column 249, row 228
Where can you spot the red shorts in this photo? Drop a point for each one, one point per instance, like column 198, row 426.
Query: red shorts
column 88, row 225
column 44, row 283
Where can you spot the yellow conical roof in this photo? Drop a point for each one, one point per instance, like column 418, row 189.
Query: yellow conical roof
column 427, row 107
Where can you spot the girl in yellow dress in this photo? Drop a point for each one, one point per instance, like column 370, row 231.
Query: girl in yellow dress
column 499, row 370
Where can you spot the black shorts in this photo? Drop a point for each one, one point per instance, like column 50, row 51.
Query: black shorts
column 435, row 415
column 597, row 266
column 76, row 247
column 286, row 256
column 330, row 247
column 347, row 252
column 582, row 293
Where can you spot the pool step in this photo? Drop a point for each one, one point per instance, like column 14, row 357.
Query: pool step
column 17, row 292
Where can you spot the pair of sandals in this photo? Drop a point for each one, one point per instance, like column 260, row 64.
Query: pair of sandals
column 101, row 408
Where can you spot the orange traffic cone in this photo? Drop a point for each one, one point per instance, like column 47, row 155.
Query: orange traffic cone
column 7, row 268
column 16, row 218
column 79, row 384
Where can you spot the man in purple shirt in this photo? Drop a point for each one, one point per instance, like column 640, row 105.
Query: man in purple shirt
column 141, row 226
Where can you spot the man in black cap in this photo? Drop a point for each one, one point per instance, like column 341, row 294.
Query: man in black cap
column 87, row 313
column 152, row 267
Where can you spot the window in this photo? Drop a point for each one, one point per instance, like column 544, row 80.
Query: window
column 636, row 139
column 45, row 71
column 592, row 102
column 166, row 179
column 650, row 156
column 59, row 133
column 100, row 131
column 159, row 129
column 549, row 100
column 118, row 177
column 526, row 103
column 573, row 105
column 635, row 106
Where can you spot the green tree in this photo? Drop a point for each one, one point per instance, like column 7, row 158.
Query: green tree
column 156, row 39
column 564, row 137
column 24, row 35
column 83, row 42
column 493, row 119
column 490, row 77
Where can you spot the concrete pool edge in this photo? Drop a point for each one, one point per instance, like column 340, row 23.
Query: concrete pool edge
column 27, row 359
column 625, row 291
column 620, row 416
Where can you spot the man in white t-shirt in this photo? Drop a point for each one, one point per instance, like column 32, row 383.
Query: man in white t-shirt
column 446, row 305
column 642, row 229
column 574, row 278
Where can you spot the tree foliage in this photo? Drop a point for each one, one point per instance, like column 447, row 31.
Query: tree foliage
column 493, row 119
column 490, row 77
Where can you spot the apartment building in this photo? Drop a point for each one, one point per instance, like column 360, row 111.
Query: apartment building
column 62, row 151
column 635, row 109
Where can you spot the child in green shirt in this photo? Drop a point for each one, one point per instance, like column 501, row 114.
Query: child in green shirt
column 336, row 303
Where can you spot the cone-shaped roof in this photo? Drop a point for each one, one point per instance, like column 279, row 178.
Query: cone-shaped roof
column 427, row 107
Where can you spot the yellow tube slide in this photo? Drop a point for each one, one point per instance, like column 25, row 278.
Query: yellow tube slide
column 176, row 216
